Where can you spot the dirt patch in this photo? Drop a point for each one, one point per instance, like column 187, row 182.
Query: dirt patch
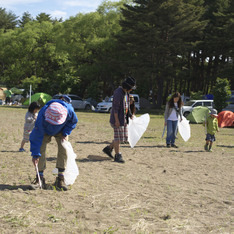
column 157, row 190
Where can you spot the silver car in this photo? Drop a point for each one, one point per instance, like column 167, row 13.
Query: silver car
column 230, row 106
column 106, row 106
column 77, row 102
column 188, row 107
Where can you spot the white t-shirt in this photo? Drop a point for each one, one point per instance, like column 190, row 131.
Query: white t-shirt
column 173, row 116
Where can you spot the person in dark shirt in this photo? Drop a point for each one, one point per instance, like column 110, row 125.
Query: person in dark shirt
column 120, row 114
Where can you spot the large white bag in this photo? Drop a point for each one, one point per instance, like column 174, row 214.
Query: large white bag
column 136, row 128
column 71, row 171
column 184, row 128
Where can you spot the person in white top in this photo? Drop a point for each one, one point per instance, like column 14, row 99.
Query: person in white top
column 173, row 113
column 30, row 119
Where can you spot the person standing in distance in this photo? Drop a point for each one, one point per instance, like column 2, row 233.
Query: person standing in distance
column 173, row 113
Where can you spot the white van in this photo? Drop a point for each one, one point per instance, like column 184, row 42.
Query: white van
column 106, row 106
column 188, row 107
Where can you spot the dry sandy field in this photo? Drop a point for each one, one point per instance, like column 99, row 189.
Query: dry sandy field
column 156, row 190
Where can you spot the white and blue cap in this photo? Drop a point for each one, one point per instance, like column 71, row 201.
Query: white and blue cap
column 213, row 112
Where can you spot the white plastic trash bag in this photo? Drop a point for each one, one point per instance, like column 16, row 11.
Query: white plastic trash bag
column 184, row 128
column 136, row 128
column 71, row 171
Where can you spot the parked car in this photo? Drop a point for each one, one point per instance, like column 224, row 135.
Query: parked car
column 77, row 102
column 230, row 106
column 188, row 107
column 106, row 106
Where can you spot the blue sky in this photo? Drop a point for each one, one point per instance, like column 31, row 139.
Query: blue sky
column 56, row 8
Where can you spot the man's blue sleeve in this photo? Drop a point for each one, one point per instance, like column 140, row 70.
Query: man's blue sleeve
column 71, row 123
column 36, row 137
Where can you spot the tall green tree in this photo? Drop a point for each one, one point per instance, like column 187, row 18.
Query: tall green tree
column 8, row 20
column 154, row 33
column 89, row 40
column 26, row 18
column 43, row 17
column 213, row 55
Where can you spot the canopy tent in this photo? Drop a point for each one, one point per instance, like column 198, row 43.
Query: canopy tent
column 226, row 119
column 42, row 98
column 16, row 90
column 8, row 93
column 198, row 114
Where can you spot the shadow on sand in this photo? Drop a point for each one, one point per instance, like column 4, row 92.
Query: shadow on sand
column 226, row 146
column 94, row 158
column 14, row 187
column 93, row 142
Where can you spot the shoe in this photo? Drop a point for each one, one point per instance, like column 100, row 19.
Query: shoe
column 60, row 184
column 107, row 150
column 35, row 184
column 168, row 146
column 174, row 146
column 206, row 147
column 119, row 158
column 21, row 150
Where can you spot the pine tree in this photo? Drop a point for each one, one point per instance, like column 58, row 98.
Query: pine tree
column 154, row 34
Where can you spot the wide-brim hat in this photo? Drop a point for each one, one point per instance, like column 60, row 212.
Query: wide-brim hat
column 56, row 113
column 130, row 83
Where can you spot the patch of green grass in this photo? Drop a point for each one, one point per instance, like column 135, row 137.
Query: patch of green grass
column 110, row 230
column 16, row 221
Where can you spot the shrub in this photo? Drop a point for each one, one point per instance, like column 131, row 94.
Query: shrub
column 221, row 92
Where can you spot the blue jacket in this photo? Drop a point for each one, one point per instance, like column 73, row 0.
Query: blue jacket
column 42, row 127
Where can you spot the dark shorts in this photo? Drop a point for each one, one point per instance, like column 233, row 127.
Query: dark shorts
column 210, row 137
column 120, row 133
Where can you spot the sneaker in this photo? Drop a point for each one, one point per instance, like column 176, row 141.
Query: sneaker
column 168, row 146
column 21, row 150
column 119, row 158
column 60, row 184
column 35, row 184
column 206, row 147
column 107, row 150
column 174, row 146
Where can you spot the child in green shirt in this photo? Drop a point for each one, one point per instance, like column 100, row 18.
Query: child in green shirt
column 211, row 125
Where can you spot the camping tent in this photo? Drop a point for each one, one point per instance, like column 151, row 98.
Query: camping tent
column 198, row 114
column 16, row 90
column 226, row 119
column 42, row 98
column 8, row 93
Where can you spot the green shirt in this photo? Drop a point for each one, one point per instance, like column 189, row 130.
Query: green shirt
column 212, row 125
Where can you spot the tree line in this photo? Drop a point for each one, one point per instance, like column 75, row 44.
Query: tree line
column 166, row 45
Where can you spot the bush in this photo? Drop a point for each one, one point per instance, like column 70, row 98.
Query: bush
column 222, row 93
column 196, row 95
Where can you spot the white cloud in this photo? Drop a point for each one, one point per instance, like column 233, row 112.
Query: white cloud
column 8, row 3
column 58, row 14
column 82, row 3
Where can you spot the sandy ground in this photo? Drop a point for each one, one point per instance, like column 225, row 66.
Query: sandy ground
column 157, row 190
